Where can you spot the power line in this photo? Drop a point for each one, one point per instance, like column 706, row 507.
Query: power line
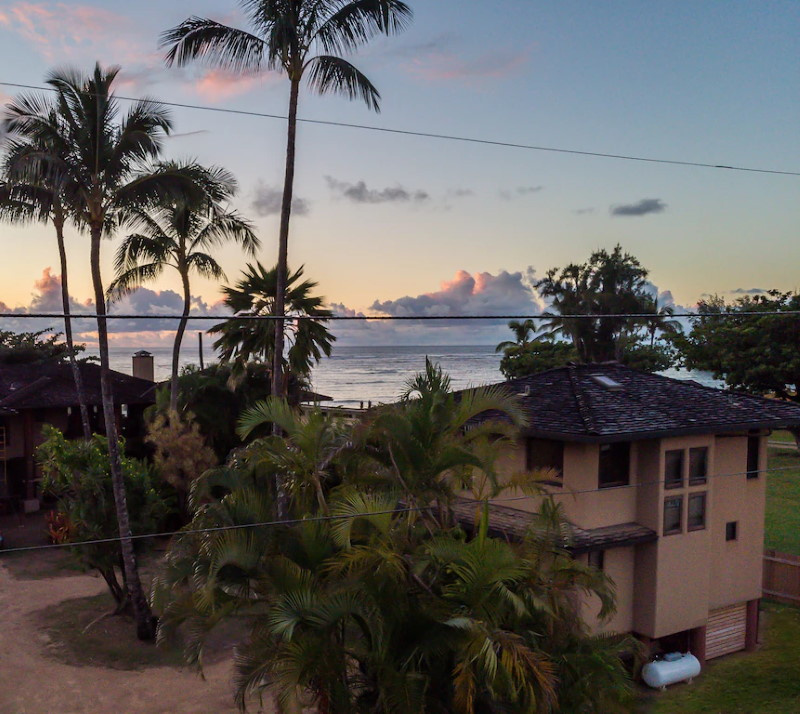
column 366, row 318
column 432, row 135
column 401, row 509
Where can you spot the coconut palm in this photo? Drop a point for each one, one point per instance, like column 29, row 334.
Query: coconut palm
column 254, row 295
column 522, row 332
column 180, row 235
column 41, row 201
column 104, row 164
column 286, row 36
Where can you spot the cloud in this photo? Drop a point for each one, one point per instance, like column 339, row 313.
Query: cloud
column 460, row 193
column 214, row 85
column 267, row 201
column 583, row 211
column 748, row 291
column 359, row 193
column 519, row 192
column 439, row 66
column 642, row 208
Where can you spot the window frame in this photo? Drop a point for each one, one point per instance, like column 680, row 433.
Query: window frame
column 697, row 495
column 670, row 484
column 753, row 472
column 557, row 480
column 698, row 480
column 614, row 448
column 679, row 529
column 599, row 556
column 731, row 527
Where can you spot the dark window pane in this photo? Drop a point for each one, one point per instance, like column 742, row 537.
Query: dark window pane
column 753, row 442
column 696, row 518
column 673, row 469
column 614, row 463
column 673, row 511
column 545, row 454
column 698, row 465
column 597, row 559
column 731, row 530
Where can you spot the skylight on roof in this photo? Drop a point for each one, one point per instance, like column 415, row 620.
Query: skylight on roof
column 606, row 382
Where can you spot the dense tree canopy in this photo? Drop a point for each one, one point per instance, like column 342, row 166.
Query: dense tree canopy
column 32, row 347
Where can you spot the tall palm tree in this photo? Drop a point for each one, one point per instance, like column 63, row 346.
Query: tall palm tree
column 41, row 201
column 522, row 332
column 179, row 235
column 254, row 295
column 286, row 35
column 105, row 163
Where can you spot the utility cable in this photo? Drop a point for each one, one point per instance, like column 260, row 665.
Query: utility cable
column 402, row 509
column 432, row 135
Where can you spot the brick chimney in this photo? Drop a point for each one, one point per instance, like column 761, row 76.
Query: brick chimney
column 143, row 366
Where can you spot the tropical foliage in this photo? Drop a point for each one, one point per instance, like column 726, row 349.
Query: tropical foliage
column 305, row 39
column 607, row 287
column 33, row 347
column 180, row 235
column 243, row 341
column 364, row 606
column 77, row 473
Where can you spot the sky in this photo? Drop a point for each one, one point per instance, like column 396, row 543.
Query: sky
column 393, row 224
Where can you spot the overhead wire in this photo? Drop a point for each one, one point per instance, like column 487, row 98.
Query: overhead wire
column 398, row 510
column 434, row 135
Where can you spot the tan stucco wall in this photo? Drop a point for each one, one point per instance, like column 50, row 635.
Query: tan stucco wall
column 619, row 566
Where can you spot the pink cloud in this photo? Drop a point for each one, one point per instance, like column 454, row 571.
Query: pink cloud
column 217, row 84
column 444, row 67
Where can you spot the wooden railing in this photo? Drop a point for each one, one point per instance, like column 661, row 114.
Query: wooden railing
column 781, row 580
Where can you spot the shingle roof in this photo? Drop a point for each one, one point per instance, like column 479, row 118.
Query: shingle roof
column 512, row 523
column 42, row 386
column 570, row 403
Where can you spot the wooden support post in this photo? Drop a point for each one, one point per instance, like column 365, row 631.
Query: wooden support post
column 751, row 627
column 28, row 446
column 697, row 643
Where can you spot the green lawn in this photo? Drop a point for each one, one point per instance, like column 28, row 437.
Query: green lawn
column 782, row 531
column 781, row 436
column 766, row 681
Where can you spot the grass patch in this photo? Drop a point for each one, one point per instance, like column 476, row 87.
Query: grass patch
column 783, row 436
column 40, row 565
column 782, row 527
column 747, row 683
column 109, row 643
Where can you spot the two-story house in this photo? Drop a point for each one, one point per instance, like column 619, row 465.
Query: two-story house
column 663, row 481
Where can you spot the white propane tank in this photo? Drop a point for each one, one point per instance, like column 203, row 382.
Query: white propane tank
column 675, row 667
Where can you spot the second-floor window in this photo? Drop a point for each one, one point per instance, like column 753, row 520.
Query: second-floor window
column 753, row 444
column 673, row 515
column 673, row 468
column 545, row 454
column 614, row 464
column 698, row 465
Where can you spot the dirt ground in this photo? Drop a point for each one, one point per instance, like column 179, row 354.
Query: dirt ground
column 31, row 682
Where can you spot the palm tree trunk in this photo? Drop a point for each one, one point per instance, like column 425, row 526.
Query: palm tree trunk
column 145, row 626
column 58, row 221
column 176, row 348
column 278, row 383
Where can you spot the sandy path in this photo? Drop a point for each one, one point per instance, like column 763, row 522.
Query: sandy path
column 32, row 683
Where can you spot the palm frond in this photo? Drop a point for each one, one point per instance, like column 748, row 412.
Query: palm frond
column 215, row 43
column 328, row 74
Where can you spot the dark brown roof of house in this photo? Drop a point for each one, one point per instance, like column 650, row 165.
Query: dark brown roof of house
column 572, row 404
column 512, row 524
column 43, row 386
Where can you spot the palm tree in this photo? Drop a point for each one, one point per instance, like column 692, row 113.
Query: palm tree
column 42, row 201
column 103, row 162
column 522, row 332
column 179, row 235
column 254, row 295
column 660, row 321
column 286, row 35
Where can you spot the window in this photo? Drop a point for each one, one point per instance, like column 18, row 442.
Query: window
column 698, row 465
column 673, row 513
column 673, row 469
column 597, row 559
column 753, row 444
column 545, row 454
column 696, row 518
column 614, row 463
column 731, row 528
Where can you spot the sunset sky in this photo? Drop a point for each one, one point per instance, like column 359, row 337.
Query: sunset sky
column 406, row 225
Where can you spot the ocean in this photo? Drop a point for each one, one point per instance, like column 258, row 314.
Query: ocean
column 378, row 374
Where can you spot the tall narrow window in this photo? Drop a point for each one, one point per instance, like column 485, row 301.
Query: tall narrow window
column 673, row 515
column 673, row 468
column 753, row 444
column 597, row 559
column 548, row 455
column 614, row 464
column 698, row 465
column 731, row 530
column 696, row 518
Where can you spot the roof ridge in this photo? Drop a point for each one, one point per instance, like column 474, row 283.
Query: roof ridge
column 584, row 410
column 11, row 397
